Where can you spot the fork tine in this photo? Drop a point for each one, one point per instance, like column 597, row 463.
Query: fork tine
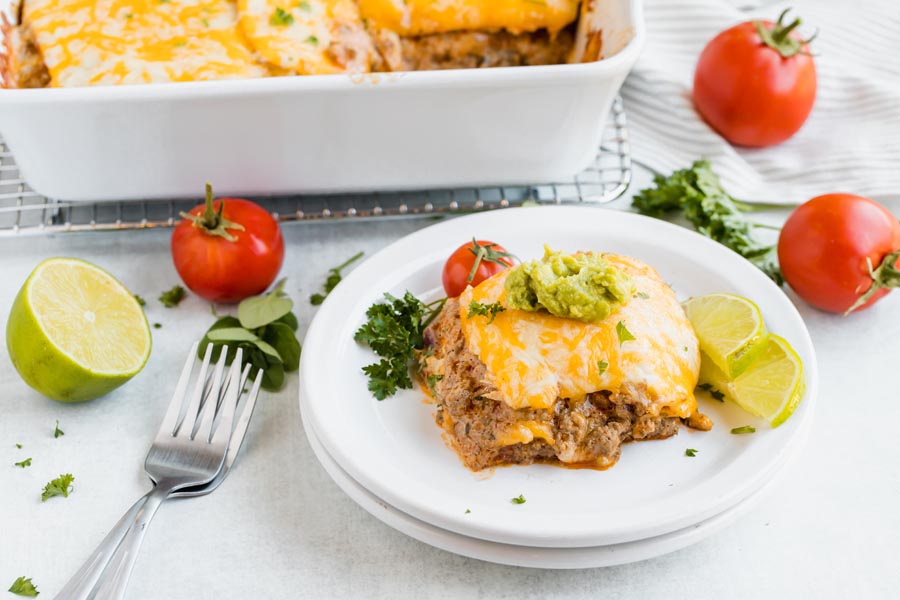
column 243, row 422
column 211, row 406
column 170, row 421
column 192, row 413
column 229, row 403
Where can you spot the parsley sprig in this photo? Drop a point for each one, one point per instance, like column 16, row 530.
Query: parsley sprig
column 488, row 253
column 61, row 486
column 485, row 310
column 173, row 297
column 394, row 330
column 698, row 194
column 265, row 330
column 24, row 587
column 334, row 278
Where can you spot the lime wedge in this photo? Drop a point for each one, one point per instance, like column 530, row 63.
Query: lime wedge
column 730, row 329
column 770, row 388
column 74, row 332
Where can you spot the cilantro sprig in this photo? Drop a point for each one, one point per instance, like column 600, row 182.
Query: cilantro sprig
column 697, row 193
column 24, row 463
column 265, row 330
column 394, row 330
column 334, row 278
column 485, row 310
column 61, row 486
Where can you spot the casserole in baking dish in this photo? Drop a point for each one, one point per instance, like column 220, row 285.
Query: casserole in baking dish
column 382, row 118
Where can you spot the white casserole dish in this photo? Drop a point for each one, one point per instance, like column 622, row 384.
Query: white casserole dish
column 322, row 134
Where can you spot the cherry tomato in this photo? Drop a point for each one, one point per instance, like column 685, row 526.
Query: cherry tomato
column 472, row 263
column 227, row 250
column 755, row 83
column 839, row 252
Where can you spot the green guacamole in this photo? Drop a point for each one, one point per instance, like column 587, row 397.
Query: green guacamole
column 583, row 286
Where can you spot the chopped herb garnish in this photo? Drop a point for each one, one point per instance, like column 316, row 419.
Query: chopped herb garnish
column 205, row 22
column 467, row 511
column 19, row 446
column 265, row 330
column 485, row 310
column 643, row 295
column 697, row 193
column 304, row 5
column 623, row 333
column 716, row 394
column 61, row 486
column 140, row 300
column 744, row 429
column 157, row 325
column 334, row 278
column 520, row 499
column 24, row 587
column 24, row 463
column 281, row 18
column 394, row 331
column 58, row 432
column 180, row 43
column 602, row 365
column 690, row 452
column 129, row 16
column 489, row 253
column 685, row 348
column 432, row 381
column 312, row 40
column 173, row 297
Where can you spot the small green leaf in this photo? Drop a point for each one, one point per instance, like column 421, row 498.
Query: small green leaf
column 140, row 300
column 467, row 511
column 281, row 18
column 173, row 297
column 231, row 334
column 282, row 338
column 262, row 310
column 520, row 499
column 312, row 40
column 24, row 463
column 623, row 333
column 19, row 446
column 24, row 587
column 61, row 486
column 743, row 429
column 58, row 432
column 272, row 355
column 690, row 452
column 157, row 326
column 602, row 365
column 643, row 295
column 273, row 377
column 290, row 320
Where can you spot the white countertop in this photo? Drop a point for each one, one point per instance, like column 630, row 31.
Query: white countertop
column 279, row 527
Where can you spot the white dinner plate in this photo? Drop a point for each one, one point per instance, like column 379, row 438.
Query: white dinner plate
column 396, row 452
column 525, row 556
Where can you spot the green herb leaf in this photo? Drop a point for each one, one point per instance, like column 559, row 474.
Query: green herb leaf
column 61, row 486
column 231, row 334
column 623, row 333
column 173, row 297
column 281, row 18
column 58, row 432
column 716, row 394
column 140, row 300
column 19, row 446
column 602, row 365
column 467, row 511
column 520, row 499
column 282, row 339
column 485, row 310
column 643, row 295
column 262, row 310
column 290, row 320
column 312, row 40
column 690, row 452
column 334, row 274
column 698, row 194
column 744, row 429
column 24, row 463
column 157, row 326
column 24, row 587
column 273, row 377
column 432, row 381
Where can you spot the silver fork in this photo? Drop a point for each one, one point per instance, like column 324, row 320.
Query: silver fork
column 188, row 451
column 81, row 585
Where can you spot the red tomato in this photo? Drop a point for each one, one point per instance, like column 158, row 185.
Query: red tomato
column 756, row 90
column 460, row 270
column 227, row 250
column 829, row 244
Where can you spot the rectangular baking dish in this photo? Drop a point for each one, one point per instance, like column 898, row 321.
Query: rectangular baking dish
column 322, row 134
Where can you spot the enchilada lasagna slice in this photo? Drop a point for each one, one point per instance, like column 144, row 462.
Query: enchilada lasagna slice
column 527, row 387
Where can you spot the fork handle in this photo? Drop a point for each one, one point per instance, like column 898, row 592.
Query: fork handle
column 113, row 586
column 82, row 583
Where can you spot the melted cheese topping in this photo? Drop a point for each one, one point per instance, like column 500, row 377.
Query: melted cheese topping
column 300, row 41
column 525, row 432
column 418, row 17
column 91, row 42
column 533, row 358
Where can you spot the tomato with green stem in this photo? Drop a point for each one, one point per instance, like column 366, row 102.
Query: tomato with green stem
column 472, row 263
column 228, row 249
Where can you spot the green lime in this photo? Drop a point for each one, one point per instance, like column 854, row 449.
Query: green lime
column 74, row 332
column 730, row 329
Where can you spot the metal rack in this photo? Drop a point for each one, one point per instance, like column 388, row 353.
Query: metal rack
column 25, row 212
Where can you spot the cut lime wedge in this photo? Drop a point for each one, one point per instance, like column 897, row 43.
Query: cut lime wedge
column 730, row 329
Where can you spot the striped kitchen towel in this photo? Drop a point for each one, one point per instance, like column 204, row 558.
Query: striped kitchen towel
column 851, row 142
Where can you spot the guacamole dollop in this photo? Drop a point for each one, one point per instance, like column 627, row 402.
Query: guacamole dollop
column 576, row 286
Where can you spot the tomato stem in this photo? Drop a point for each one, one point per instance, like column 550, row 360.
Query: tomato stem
column 886, row 275
column 212, row 221
column 778, row 37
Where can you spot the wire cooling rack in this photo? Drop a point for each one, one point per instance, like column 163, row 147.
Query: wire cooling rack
column 25, row 212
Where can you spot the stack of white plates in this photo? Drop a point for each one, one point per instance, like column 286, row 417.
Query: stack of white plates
column 390, row 456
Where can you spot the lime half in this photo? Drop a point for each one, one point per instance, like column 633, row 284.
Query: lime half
column 74, row 332
column 770, row 388
column 730, row 329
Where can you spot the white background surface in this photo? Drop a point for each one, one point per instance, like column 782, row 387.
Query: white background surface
column 279, row 528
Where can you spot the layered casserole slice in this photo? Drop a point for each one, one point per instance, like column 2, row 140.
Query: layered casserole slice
column 518, row 387
column 68, row 43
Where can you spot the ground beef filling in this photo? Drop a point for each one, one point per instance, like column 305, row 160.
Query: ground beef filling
column 588, row 432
